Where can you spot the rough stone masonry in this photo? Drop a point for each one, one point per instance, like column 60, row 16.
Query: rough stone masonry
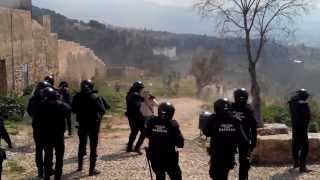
column 29, row 51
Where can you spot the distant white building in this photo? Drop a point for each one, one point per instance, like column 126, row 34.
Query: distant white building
column 170, row 52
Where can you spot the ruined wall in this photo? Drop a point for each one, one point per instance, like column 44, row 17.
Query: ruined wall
column 30, row 52
column 77, row 63
column 45, row 52
column 16, row 47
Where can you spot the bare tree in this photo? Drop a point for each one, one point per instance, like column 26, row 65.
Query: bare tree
column 207, row 68
column 254, row 21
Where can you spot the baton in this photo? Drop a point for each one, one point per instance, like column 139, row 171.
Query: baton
column 149, row 165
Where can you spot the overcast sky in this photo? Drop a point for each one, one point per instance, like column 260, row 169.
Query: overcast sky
column 170, row 15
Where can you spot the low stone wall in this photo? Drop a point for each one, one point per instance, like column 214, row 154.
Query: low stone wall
column 276, row 149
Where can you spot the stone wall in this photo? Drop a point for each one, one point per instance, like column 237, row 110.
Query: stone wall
column 45, row 52
column 16, row 47
column 30, row 52
column 77, row 63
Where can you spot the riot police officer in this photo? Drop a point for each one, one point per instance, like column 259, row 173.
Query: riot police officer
column 89, row 108
column 300, row 117
column 66, row 97
column 164, row 136
column 53, row 112
column 248, row 128
column 224, row 131
column 136, row 120
column 33, row 110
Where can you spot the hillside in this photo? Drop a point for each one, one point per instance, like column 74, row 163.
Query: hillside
column 135, row 47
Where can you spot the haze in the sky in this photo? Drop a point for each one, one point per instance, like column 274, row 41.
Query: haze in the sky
column 169, row 15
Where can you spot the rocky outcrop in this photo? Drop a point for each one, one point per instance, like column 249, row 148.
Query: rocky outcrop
column 273, row 129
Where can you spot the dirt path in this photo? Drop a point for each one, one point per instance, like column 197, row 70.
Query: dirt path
column 116, row 164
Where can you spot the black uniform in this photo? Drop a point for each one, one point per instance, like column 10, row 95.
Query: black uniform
column 224, row 132
column 248, row 136
column 3, row 135
column 89, row 108
column 66, row 97
column 52, row 126
column 164, row 136
column 136, row 119
column 33, row 110
column 300, row 117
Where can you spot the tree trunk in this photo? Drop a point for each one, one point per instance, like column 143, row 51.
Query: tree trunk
column 255, row 91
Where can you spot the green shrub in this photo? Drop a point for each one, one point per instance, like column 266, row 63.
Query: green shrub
column 276, row 114
column 279, row 113
column 314, row 127
column 28, row 90
column 12, row 108
column 115, row 99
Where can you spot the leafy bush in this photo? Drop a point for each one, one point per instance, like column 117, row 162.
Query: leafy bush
column 28, row 90
column 12, row 108
column 276, row 114
column 279, row 113
column 115, row 99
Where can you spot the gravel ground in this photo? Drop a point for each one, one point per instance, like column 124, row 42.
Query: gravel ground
column 116, row 164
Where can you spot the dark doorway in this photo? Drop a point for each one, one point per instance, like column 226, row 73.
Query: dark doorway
column 3, row 77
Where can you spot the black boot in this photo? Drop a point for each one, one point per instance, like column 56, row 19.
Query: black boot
column 137, row 150
column 94, row 172
column 80, row 164
column 129, row 149
column 304, row 169
column 40, row 174
column 92, row 169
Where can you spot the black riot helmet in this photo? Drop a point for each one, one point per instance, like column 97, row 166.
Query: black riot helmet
column 40, row 86
column 302, row 94
column 50, row 94
column 222, row 106
column 137, row 86
column 166, row 111
column 50, row 79
column 87, row 85
column 241, row 96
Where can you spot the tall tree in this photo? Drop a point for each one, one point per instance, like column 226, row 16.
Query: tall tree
column 255, row 21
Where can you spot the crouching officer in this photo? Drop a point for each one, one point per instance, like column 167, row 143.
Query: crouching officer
column 300, row 117
column 89, row 108
column 52, row 126
column 164, row 136
column 224, row 132
column 33, row 110
column 248, row 130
